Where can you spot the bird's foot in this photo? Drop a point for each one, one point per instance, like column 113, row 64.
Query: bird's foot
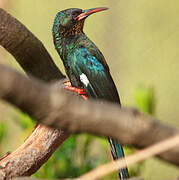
column 79, row 91
column 74, row 89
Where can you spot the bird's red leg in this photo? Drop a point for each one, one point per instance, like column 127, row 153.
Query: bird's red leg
column 74, row 89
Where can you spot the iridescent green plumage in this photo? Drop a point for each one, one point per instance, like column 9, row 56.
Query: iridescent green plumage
column 84, row 63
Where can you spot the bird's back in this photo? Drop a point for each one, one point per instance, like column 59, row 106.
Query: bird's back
column 89, row 70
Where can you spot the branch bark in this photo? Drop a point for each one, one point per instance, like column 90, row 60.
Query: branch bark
column 28, row 51
column 35, row 60
column 129, row 126
column 29, row 157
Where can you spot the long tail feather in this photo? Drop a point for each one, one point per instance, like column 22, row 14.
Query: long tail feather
column 117, row 152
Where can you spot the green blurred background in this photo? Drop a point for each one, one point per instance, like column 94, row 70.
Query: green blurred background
column 140, row 41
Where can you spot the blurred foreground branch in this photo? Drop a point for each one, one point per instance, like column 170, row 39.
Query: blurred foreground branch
column 129, row 126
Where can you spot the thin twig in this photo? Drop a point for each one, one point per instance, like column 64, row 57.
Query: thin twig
column 137, row 157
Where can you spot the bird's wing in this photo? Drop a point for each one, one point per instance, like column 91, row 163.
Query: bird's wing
column 96, row 79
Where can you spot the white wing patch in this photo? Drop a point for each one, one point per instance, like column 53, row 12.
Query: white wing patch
column 84, row 79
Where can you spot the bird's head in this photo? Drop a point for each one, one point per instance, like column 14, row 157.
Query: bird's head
column 71, row 21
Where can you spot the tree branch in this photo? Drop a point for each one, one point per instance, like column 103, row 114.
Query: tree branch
column 132, row 159
column 127, row 125
column 27, row 49
column 29, row 157
column 35, row 60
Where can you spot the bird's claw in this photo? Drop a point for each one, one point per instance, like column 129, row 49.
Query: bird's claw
column 74, row 89
column 79, row 91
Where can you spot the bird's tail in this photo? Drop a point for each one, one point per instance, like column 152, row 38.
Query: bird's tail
column 117, row 152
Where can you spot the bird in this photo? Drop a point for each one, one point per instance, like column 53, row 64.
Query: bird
column 85, row 65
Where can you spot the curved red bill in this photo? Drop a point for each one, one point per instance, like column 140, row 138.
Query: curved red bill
column 87, row 12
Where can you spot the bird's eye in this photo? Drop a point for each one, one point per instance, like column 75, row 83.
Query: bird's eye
column 75, row 14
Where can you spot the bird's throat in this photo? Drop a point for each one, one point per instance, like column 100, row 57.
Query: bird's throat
column 65, row 46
